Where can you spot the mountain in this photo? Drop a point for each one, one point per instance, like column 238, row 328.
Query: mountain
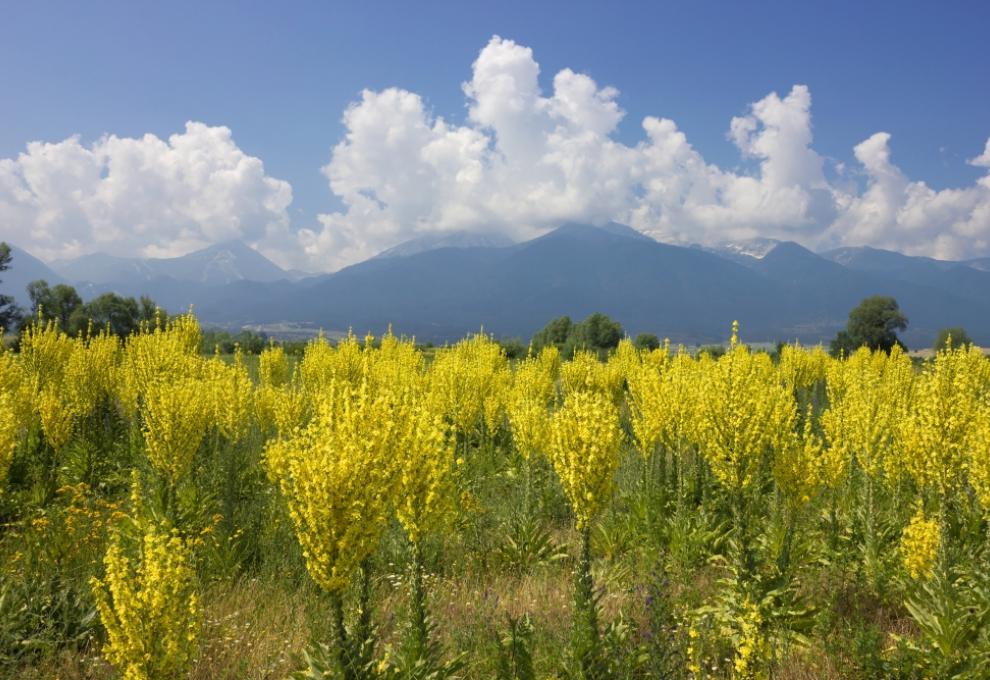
column 440, row 289
column 25, row 268
column 686, row 293
column 745, row 251
column 454, row 239
column 218, row 264
column 968, row 280
column 514, row 290
column 982, row 263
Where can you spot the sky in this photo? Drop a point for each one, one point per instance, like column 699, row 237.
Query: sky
column 322, row 133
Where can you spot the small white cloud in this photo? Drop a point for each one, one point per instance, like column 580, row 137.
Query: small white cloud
column 983, row 160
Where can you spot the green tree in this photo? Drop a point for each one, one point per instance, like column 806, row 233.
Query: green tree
column 10, row 313
column 57, row 303
column 956, row 335
column 647, row 341
column 598, row 332
column 513, row 348
column 123, row 315
column 557, row 333
column 873, row 323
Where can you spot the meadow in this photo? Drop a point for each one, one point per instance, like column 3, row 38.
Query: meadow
column 365, row 511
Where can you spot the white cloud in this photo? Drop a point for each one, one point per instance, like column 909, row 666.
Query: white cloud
column 897, row 213
column 525, row 161
column 139, row 196
column 983, row 160
column 521, row 162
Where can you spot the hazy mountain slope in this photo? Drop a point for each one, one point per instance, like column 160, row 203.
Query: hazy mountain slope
column 574, row 270
column 439, row 290
column 959, row 279
column 24, row 268
column 821, row 292
column 456, row 239
column 216, row 265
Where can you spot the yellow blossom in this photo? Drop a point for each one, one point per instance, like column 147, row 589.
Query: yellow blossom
column 585, row 444
column 919, row 545
column 148, row 604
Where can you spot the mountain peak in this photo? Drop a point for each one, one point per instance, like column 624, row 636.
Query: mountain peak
column 450, row 239
column 217, row 264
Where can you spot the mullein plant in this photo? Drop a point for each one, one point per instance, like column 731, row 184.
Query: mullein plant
column 337, row 476
column 585, row 444
column 175, row 415
column 148, row 598
column 744, row 418
column 868, row 396
column 8, row 435
column 425, row 501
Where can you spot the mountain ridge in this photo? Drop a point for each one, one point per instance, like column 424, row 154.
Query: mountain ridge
column 442, row 289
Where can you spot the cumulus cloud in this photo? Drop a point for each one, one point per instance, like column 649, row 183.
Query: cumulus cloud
column 900, row 214
column 983, row 160
column 526, row 160
column 139, row 196
column 522, row 161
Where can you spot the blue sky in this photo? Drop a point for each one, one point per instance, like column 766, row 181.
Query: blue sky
column 281, row 75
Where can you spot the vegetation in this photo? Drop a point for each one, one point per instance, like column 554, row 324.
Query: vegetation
column 647, row 341
column 954, row 337
column 122, row 315
column 597, row 333
column 9, row 312
column 225, row 342
column 365, row 513
column 874, row 324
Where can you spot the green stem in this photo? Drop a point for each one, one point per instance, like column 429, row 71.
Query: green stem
column 587, row 640
column 363, row 630
column 419, row 612
column 342, row 645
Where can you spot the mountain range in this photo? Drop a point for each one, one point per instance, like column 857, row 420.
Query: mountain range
column 440, row 288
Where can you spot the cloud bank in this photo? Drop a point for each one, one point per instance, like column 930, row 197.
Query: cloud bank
column 146, row 196
column 522, row 162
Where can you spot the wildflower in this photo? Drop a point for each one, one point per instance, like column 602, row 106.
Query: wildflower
column 919, row 545
column 148, row 604
column 585, row 443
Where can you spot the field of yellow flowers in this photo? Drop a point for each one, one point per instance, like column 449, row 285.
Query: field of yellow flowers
column 363, row 510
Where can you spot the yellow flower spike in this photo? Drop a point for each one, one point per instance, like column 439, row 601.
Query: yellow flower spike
column 978, row 459
column 662, row 401
column 585, row 444
column 176, row 415
column 919, row 545
column 338, row 477
column 751, row 417
column 936, row 434
column 8, row 435
column 586, row 373
column 868, row 394
column 530, row 398
column 273, row 367
column 800, row 368
column 167, row 350
column 148, row 604
column 230, row 393
column 426, row 493
column 58, row 417
column 469, row 383
column 801, row 465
